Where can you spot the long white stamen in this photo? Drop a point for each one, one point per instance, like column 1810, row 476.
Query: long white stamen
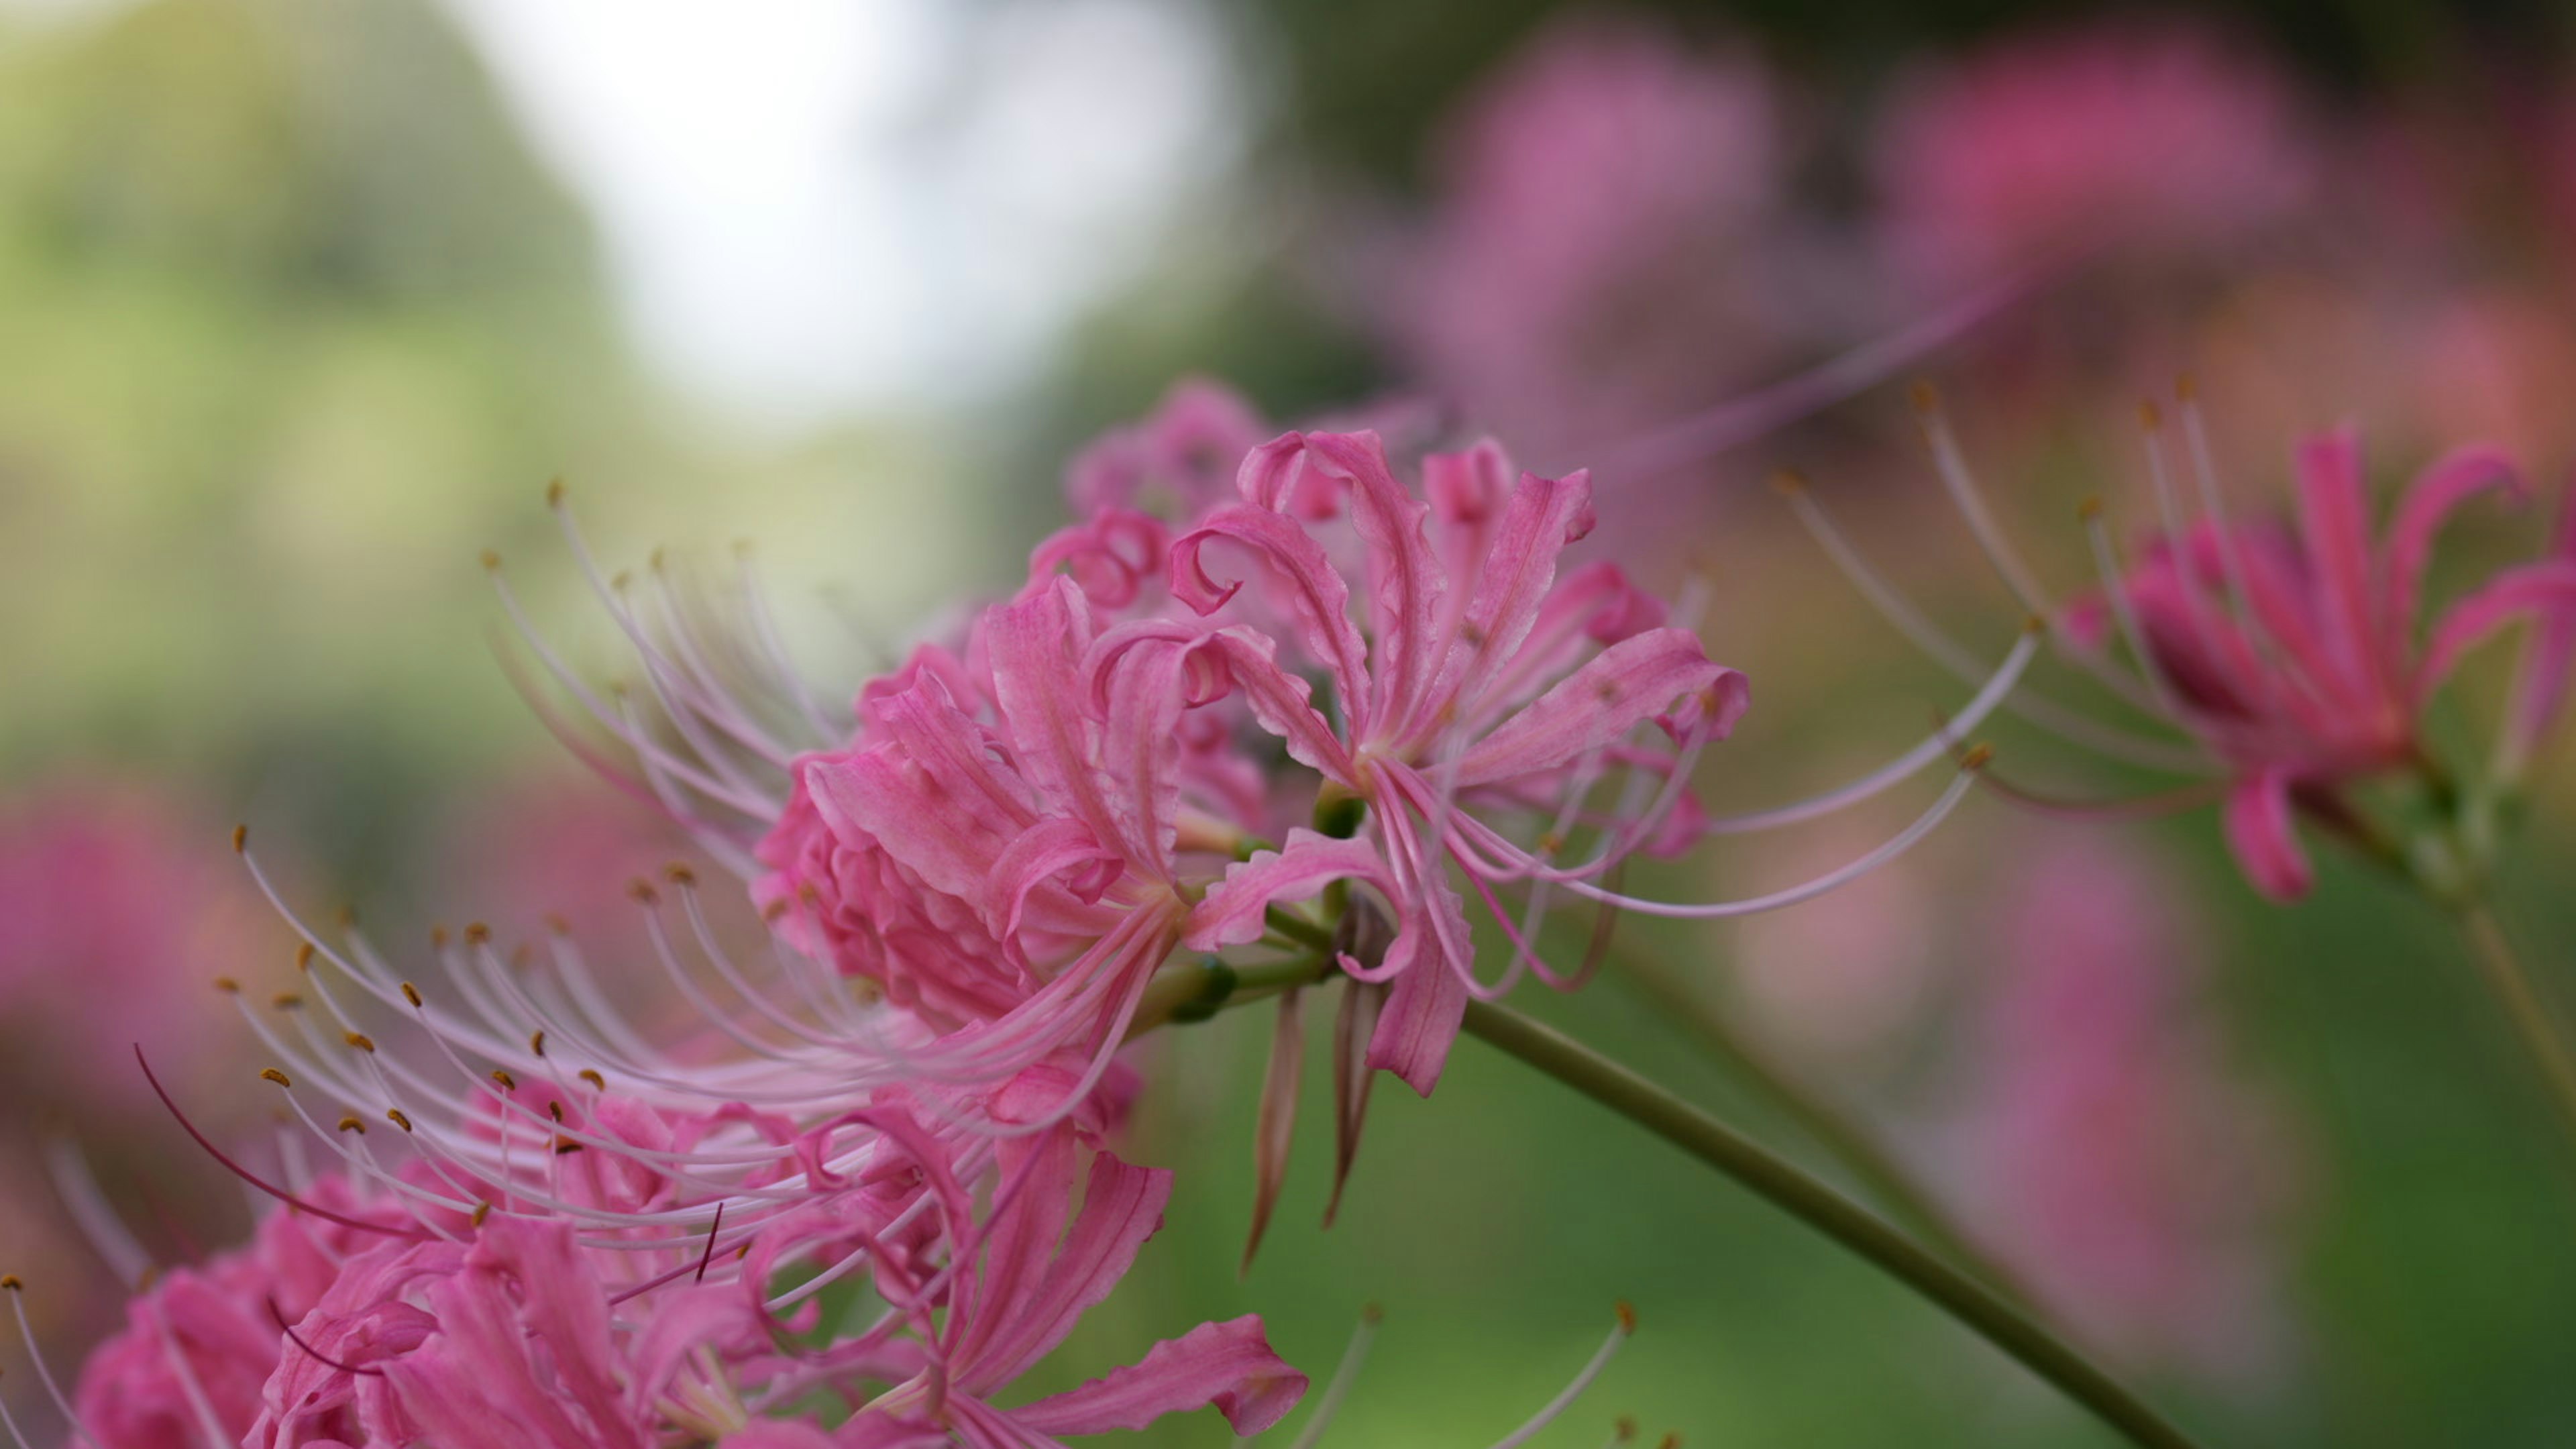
column 1918, row 629
column 2115, row 588
column 1609, row 1349
column 108, row 1236
column 1944, row 743
column 1897, row 845
column 209, row 1423
column 1338, row 1387
column 1952, row 466
column 16, row 1293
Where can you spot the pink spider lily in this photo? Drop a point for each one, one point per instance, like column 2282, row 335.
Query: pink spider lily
column 1063, row 816
column 1484, row 684
column 1022, row 1277
column 2290, row 659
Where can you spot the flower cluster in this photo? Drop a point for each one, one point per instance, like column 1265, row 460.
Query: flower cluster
column 1226, row 743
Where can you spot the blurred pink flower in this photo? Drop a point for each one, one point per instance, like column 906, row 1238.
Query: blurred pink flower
column 1606, row 253
column 2297, row 658
column 2102, row 1148
column 116, row 907
column 2160, row 141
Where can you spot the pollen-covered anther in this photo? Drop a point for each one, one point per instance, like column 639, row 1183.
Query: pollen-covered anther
column 491, row 560
column 396, row 1116
column 360, row 1040
column 304, row 957
column 227, row 986
column 555, row 1110
column 272, row 1074
column 287, row 1001
column 1672, row 1440
column 594, row 1078
column 1923, row 397
column 10, row 1282
column 508, row 1083
column 2150, row 416
column 481, row 1211
column 679, row 874
column 476, row 933
column 558, row 924
column 411, row 993
column 537, row 1044
column 1627, row 1314
column 1624, row 1428
column 2186, row 388
column 565, row 1145
column 438, row 938
column 1977, row 757
column 2088, row 510
column 1788, row 482
column 241, row 838
column 642, row 893
column 555, row 493
column 350, row 1123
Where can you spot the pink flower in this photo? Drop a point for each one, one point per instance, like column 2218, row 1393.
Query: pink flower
column 1481, row 680
column 2163, row 141
column 1608, row 251
column 114, row 909
column 200, row 1340
column 2152, row 140
column 1025, row 1275
column 506, row 1340
column 2106, row 1153
column 1176, row 462
column 2295, row 656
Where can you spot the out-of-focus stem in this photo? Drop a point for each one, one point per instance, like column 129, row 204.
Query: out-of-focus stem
column 1788, row 1187
column 2532, row 1019
column 1850, row 1142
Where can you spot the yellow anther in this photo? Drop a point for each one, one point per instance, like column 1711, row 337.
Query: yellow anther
column 227, row 986
column 508, row 1083
column 396, row 1117
column 360, row 1040
column 411, row 993
column 1627, row 1316
column 351, row 1123
column 272, row 1074
column 241, row 838
column 594, row 1078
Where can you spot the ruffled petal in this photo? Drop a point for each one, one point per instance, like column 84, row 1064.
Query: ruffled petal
column 1232, row 913
column 2264, row 838
column 2543, row 590
column 1305, row 588
column 1229, row 1365
column 1629, row 682
column 2334, row 519
column 1406, row 582
column 2540, row 680
column 2436, row 493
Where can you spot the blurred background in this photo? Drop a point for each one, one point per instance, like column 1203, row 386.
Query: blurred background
column 303, row 303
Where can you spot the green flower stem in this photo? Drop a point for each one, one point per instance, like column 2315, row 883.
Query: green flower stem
column 1849, row 1141
column 2532, row 1019
column 1820, row 1207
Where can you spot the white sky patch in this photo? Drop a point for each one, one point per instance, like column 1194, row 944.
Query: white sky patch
column 817, row 206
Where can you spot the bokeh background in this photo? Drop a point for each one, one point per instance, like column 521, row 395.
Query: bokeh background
column 304, row 302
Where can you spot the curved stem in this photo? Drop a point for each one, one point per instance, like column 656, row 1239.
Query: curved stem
column 1850, row 1142
column 1854, row 1227
column 2515, row 992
